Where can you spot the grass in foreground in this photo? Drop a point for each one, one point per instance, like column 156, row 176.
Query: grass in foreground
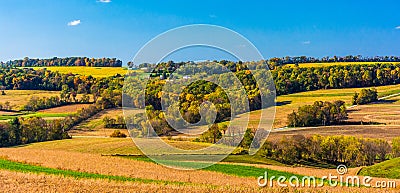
column 21, row 167
column 230, row 169
column 386, row 169
column 249, row 159
column 236, row 170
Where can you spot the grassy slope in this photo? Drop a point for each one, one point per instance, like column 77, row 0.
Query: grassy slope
column 386, row 169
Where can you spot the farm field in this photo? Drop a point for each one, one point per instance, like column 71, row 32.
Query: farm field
column 82, row 70
column 47, row 114
column 385, row 112
column 94, row 126
column 367, row 131
column 68, row 163
column 288, row 103
column 199, row 96
column 19, row 98
column 73, row 108
column 91, row 156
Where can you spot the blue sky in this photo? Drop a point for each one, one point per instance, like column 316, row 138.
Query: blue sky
column 47, row 28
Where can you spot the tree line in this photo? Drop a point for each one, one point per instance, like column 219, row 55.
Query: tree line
column 117, row 123
column 69, row 61
column 347, row 150
column 36, row 103
column 330, row 59
column 280, row 61
column 292, row 80
column 6, row 106
column 318, row 114
column 35, row 129
column 299, row 79
column 365, row 96
column 29, row 130
column 43, row 79
column 287, row 80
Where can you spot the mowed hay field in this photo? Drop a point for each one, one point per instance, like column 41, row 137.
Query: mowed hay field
column 83, row 70
column 65, row 109
column 19, row 98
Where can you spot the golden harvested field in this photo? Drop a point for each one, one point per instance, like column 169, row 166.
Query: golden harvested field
column 95, row 163
column 27, row 182
column 386, row 111
column 52, row 155
column 65, row 109
column 105, row 146
column 287, row 103
column 367, row 131
column 19, row 98
column 7, row 113
column 309, row 65
column 93, row 71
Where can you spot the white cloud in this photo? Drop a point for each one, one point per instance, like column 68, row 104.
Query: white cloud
column 104, row 1
column 306, row 42
column 74, row 23
column 398, row 27
column 212, row 16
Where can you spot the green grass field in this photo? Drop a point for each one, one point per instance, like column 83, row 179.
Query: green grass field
column 386, row 169
column 35, row 114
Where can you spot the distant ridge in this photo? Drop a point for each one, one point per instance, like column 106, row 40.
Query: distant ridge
column 68, row 61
